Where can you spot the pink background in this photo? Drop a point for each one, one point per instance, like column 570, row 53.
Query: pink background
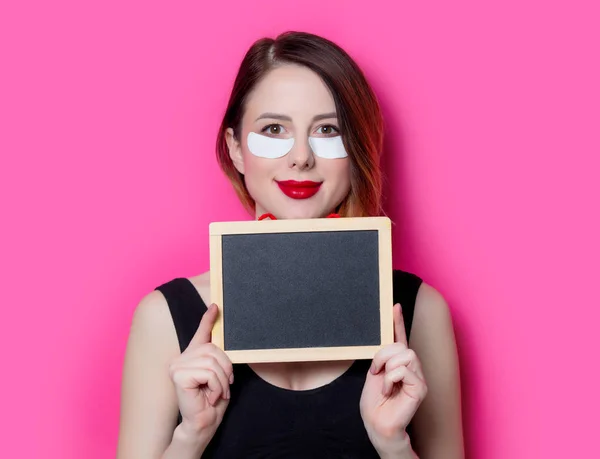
column 108, row 114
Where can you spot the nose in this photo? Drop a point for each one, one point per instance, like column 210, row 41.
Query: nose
column 301, row 157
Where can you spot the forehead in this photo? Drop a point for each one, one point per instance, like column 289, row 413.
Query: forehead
column 290, row 90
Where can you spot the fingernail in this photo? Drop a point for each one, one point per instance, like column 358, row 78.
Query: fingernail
column 372, row 369
column 231, row 378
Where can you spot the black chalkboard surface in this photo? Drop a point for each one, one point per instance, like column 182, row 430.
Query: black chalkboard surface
column 302, row 290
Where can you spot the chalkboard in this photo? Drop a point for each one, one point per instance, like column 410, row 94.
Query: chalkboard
column 302, row 290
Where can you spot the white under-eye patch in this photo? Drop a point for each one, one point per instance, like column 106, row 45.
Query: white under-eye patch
column 269, row 147
column 328, row 147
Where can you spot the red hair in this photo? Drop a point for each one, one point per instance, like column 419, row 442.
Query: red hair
column 359, row 114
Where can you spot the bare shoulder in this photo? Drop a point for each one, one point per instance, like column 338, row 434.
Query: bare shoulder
column 202, row 284
column 152, row 314
column 201, row 280
column 431, row 311
column 432, row 334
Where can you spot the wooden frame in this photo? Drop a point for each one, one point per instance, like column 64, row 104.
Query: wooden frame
column 381, row 224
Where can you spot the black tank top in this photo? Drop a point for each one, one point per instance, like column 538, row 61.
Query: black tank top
column 265, row 421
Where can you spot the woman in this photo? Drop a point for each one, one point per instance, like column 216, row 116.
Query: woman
column 301, row 138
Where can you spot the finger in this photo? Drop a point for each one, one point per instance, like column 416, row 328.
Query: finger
column 399, row 328
column 214, row 386
column 199, row 378
column 405, row 357
column 204, row 331
column 383, row 355
column 224, row 362
column 417, row 368
column 203, row 358
column 411, row 383
column 210, row 362
column 409, row 360
column 209, row 349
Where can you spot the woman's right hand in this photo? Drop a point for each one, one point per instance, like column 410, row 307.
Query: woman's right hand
column 201, row 375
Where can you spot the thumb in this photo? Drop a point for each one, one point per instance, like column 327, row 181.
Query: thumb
column 204, row 332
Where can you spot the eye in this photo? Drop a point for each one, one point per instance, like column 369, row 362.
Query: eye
column 328, row 130
column 273, row 129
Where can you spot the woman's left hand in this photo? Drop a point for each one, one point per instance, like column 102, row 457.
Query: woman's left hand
column 393, row 390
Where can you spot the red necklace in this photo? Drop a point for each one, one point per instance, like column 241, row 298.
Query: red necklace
column 272, row 217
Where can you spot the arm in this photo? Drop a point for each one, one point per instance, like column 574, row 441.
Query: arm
column 437, row 424
column 148, row 399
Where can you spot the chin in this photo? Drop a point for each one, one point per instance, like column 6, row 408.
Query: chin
column 297, row 212
column 299, row 215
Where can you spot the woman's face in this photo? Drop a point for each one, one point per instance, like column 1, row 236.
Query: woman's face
column 290, row 149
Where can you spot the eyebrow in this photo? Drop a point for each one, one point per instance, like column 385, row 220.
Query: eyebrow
column 278, row 116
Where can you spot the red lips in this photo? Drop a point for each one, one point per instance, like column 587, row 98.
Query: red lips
column 299, row 190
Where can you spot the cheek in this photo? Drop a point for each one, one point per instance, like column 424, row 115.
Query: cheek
column 339, row 172
column 257, row 171
column 256, row 166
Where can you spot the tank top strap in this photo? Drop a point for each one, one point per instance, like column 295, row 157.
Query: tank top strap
column 406, row 286
column 186, row 307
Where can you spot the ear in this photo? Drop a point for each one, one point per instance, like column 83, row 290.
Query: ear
column 235, row 150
